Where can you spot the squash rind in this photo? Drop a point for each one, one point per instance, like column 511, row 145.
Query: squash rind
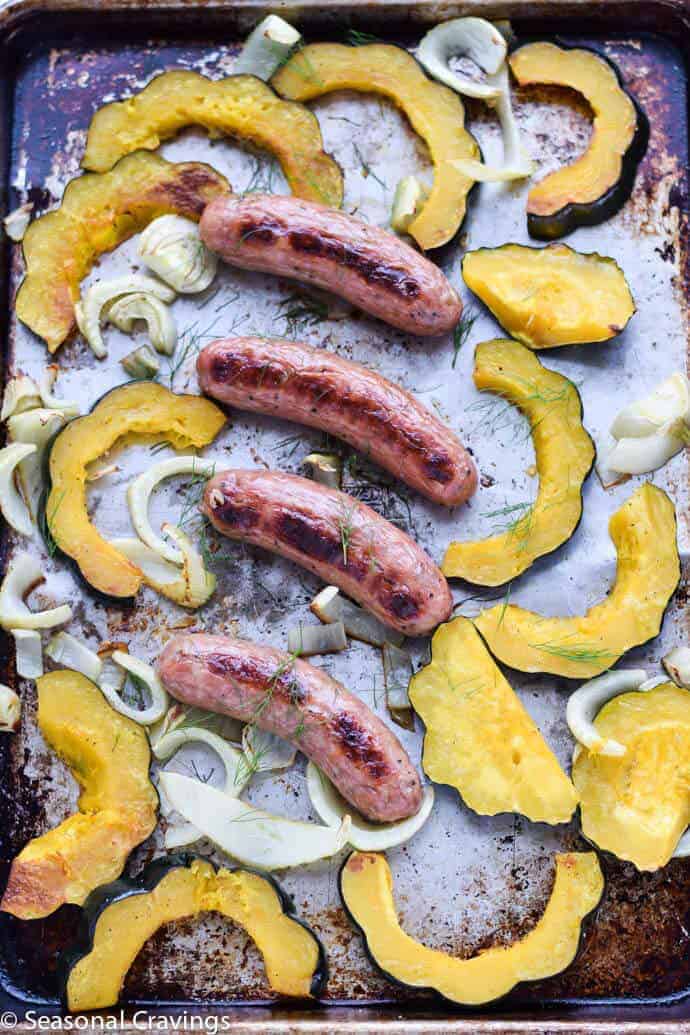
column 643, row 531
column 564, row 455
column 109, row 756
column 92, row 975
column 435, row 112
column 590, row 298
column 139, row 407
column 239, row 105
column 637, row 805
column 366, row 888
column 98, row 212
column 479, row 737
column 552, row 210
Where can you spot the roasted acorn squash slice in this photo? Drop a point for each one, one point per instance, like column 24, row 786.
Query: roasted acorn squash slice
column 240, row 105
column 120, row 917
column 643, row 531
column 564, row 455
column 140, row 407
column 434, row 111
column 366, row 887
column 637, row 805
column 108, row 755
column 595, row 186
column 96, row 214
column 479, row 737
column 546, row 297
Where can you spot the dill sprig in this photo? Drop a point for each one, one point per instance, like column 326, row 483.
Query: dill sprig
column 504, row 606
column 366, row 168
column 519, row 524
column 262, row 177
column 576, row 652
column 462, row 331
column 355, row 38
column 345, row 527
column 299, row 63
column 194, row 490
column 299, row 312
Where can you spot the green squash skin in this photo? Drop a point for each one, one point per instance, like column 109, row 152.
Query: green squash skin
column 124, row 887
column 589, row 921
column 570, row 217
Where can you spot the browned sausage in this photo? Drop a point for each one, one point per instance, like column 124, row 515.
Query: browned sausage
column 370, row 267
column 336, row 537
column 297, row 701
column 314, row 387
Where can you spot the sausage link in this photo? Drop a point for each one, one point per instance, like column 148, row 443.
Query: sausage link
column 295, row 700
column 336, row 537
column 314, row 387
column 368, row 266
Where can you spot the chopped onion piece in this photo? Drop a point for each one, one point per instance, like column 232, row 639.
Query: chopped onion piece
column 172, row 247
column 250, row 835
column 331, row 606
column 21, row 393
column 17, row 221
column 24, row 572
column 585, row 703
column 325, row 468
column 266, row 48
column 143, row 673
column 265, row 751
column 472, row 38
column 28, row 653
column 89, row 311
column 397, row 672
column 161, row 326
column 35, row 427
column 669, row 402
column 14, row 509
column 141, row 363
column 66, row 650
column 10, row 710
column 410, row 195
column 306, row 640
column 68, row 407
column 677, row 664
column 139, row 494
column 331, row 808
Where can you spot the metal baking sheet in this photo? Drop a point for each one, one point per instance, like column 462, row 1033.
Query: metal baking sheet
column 465, row 881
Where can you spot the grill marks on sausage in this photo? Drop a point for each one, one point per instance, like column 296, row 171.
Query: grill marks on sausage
column 279, row 681
column 310, row 537
column 359, row 746
column 314, row 243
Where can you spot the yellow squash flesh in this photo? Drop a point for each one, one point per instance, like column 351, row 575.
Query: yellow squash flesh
column 564, row 455
column 479, row 737
column 367, row 889
column 240, row 106
column 643, row 531
column 97, row 213
column 546, row 297
column 638, row 805
column 435, row 113
column 290, row 951
column 141, row 407
column 108, row 755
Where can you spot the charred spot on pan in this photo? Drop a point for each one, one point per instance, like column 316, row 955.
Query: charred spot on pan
column 358, row 744
column 309, row 537
column 372, row 270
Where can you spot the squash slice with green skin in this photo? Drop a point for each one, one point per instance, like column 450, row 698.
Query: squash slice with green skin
column 239, row 106
column 598, row 183
column 97, row 213
column 553, row 296
column 366, row 887
column 479, row 737
column 643, row 531
column 564, row 456
column 637, row 805
column 140, row 407
column 435, row 112
column 119, row 918
column 109, row 756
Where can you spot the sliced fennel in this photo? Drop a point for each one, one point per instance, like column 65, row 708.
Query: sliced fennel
column 267, row 47
column 264, row 751
column 69, row 652
column 190, row 587
column 473, row 38
column 69, row 407
column 331, row 808
column 677, row 664
column 89, row 311
column 23, row 573
column 410, row 195
column 651, row 431
column 307, row 640
column 14, row 509
column 250, row 835
column 397, row 673
column 325, row 468
column 145, row 675
column 585, row 703
column 28, row 653
column 172, row 247
column 160, row 324
column 34, row 427
column 141, row 363
column 10, row 710
column 139, row 494
column 17, row 221
column 21, row 393
column 331, row 606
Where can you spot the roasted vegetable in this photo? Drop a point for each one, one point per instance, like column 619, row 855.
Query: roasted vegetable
column 564, row 455
column 120, row 917
column 434, row 111
column 599, row 182
column 23, row 574
column 650, row 431
column 637, row 805
column 366, row 887
column 266, row 48
column 643, row 531
column 140, row 407
column 109, row 756
column 172, row 247
column 239, row 106
column 479, row 737
column 589, row 699
column 96, row 214
column 546, row 297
